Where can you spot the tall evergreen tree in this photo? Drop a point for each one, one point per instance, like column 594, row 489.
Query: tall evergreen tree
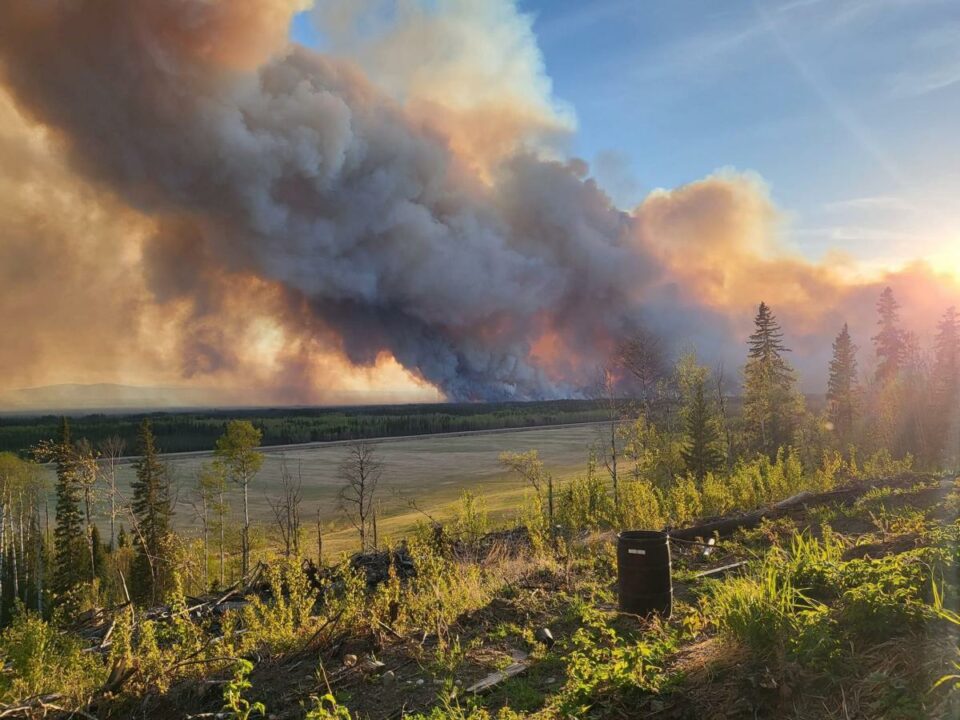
column 772, row 405
column 842, row 386
column 702, row 450
column 68, row 535
column 946, row 380
column 889, row 340
column 947, row 356
column 153, row 510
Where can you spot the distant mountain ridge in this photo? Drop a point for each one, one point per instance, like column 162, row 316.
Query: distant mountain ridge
column 70, row 398
column 102, row 396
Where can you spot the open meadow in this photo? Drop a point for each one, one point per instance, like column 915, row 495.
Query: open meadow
column 432, row 471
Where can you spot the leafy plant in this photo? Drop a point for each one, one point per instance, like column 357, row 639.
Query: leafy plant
column 235, row 705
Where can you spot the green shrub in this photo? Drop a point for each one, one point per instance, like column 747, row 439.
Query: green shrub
column 585, row 504
column 471, row 523
column 276, row 624
column 683, row 501
column 716, row 497
column 885, row 596
column 41, row 660
column 607, row 666
column 235, row 705
column 639, row 506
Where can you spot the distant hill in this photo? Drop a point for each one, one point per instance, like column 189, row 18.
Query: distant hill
column 103, row 397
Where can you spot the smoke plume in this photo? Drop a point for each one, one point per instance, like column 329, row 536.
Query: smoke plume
column 194, row 197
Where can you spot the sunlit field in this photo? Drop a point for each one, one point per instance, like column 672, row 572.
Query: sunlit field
column 431, row 472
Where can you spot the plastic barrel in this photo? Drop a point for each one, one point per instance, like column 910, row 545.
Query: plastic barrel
column 643, row 572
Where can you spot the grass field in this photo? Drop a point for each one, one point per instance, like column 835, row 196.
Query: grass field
column 431, row 471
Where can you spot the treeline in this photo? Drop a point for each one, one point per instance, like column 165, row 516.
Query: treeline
column 199, row 430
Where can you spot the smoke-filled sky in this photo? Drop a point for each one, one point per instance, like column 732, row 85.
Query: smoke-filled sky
column 257, row 201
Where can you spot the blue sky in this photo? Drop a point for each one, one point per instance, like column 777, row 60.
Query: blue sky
column 847, row 108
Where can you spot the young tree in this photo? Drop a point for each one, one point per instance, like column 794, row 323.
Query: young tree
column 605, row 390
column 643, row 358
column 842, row 387
column 111, row 450
column 726, row 431
column 286, row 509
column 209, row 499
column 21, row 492
column 772, row 406
column 361, row 471
column 889, row 340
column 530, row 467
column 152, row 512
column 702, row 449
column 237, row 450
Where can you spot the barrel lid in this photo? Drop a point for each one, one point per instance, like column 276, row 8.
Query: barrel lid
column 641, row 535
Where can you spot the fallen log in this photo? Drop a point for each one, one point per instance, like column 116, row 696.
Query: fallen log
column 728, row 525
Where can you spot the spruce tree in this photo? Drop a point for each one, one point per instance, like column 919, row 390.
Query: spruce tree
column 70, row 562
column 702, row 450
column 946, row 380
column 842, row 386
column 889, row 340
column 947, row 357
column 772, row 405
column 153, row 511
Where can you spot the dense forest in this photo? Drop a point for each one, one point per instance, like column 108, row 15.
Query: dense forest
column 112, row 619
column 199, row 430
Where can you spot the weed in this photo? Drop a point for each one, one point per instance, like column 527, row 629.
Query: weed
column 235, row 705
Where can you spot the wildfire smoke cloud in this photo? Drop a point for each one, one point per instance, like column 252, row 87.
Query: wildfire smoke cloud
column 244, row 209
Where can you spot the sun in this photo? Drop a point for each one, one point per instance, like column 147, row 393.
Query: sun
column 946, row 259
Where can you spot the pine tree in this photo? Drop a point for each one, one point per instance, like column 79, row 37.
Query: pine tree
column 946, row 379
column 70, row 561
column 153, row 511
column 842, row 387
column 947, row 358
column 889, row 341
column 772, row 405
column 702, row 450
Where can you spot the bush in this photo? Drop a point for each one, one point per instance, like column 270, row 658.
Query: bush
column 683, row 501
column 585, row 504
column 716, row 497
column 605, row 666
column 42, row 660
column 639, row 506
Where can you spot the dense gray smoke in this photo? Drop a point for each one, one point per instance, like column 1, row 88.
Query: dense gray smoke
column 204, row 201
column 298, row 171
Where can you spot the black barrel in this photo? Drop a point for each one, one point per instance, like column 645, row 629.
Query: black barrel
column 643, row 572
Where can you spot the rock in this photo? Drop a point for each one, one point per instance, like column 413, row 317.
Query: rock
column 545, row 636
column 349, row 660
column 372, row 666
column 389, row 678
column 419, row 681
